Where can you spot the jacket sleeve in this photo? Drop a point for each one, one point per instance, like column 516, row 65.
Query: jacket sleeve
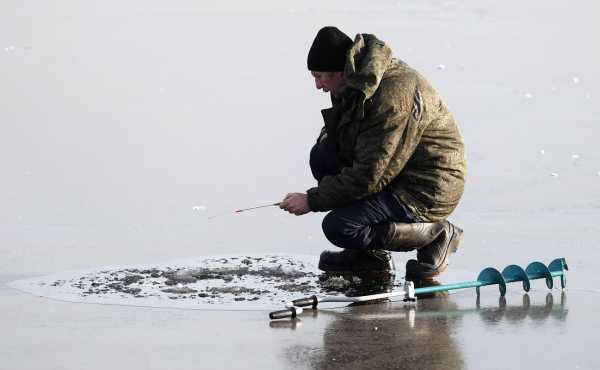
column 387, row 138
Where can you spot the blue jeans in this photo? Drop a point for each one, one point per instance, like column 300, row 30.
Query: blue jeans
column 364, row 224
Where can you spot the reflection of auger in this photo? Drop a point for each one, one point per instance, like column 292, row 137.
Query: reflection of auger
column 489, row 276
column 490, row 315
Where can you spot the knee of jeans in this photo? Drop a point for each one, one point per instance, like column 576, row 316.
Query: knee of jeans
column 332, row 228
column 335, row 230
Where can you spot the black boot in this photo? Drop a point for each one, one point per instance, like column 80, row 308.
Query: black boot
column 432, row 259
column 356, row 261
column 406, row 237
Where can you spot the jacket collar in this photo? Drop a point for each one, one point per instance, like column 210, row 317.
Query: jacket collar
column 366, row 62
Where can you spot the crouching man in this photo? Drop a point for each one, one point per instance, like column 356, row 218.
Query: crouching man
column 389, row 160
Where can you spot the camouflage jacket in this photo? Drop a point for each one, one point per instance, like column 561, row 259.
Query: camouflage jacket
column 391, row 130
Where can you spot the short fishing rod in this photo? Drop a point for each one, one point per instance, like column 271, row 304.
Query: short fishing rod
column 246, row 209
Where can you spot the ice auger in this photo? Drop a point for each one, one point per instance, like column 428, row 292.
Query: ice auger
column 488, row 276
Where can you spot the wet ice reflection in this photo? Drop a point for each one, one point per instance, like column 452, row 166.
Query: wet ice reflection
column 426, row 335
column 538, row 312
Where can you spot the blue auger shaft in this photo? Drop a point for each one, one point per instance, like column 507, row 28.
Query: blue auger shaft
column 511, row 274
column 446, row 287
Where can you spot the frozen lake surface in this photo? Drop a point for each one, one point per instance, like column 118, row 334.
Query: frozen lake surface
column 126, row 125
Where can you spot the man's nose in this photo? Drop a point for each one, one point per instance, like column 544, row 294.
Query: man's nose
column 318, row 84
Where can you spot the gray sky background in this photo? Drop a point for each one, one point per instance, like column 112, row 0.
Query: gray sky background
column 119, row 117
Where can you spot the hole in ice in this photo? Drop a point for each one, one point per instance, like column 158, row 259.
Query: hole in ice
column 227, row 282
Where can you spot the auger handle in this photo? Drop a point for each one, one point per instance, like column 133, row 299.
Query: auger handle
column 308, row 301
column 288, row 312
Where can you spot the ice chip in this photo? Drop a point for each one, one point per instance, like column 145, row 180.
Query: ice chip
column 575, row 156
column 199, row 208
column 336, row 283
column 554, row 174
column 441, row 67
column 528, row 95
column 542, row 152
column 287, row 270
column 575, row 80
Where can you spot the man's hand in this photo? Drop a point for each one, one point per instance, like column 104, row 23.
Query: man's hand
column 296, row 203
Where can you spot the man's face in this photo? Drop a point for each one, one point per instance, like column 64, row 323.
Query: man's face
column 329, row 81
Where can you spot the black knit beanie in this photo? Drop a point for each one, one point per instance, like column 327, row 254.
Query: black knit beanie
column 328, row 51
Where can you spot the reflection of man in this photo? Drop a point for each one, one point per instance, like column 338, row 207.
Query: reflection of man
column 389, row 161
column 385, row 337
column 430, row 335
